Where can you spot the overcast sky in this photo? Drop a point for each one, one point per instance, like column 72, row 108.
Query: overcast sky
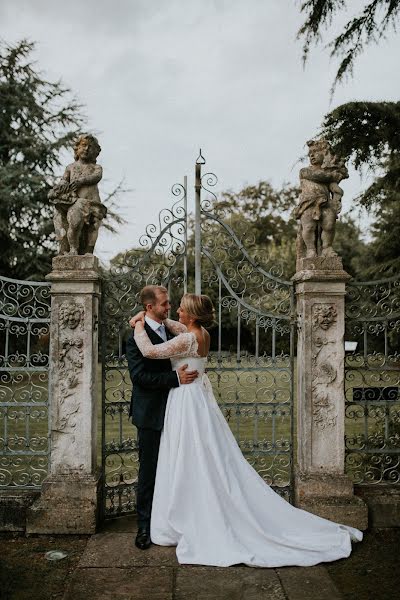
column 161, row 78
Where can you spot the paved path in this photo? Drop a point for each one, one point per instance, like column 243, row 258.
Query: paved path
column 111, row 567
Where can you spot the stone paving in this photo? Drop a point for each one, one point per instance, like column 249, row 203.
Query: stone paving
column 111, row 567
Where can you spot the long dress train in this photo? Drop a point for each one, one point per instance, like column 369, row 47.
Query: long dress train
column 210, row 503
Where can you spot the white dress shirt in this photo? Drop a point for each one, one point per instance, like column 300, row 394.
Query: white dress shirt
column 159, row 328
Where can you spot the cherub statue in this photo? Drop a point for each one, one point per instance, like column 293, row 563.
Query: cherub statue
column 320, row 201
column 78, row 210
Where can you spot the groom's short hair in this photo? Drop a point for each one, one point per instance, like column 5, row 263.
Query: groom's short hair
column 148, row 294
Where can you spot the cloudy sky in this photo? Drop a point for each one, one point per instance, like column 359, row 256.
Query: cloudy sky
column 161, row 78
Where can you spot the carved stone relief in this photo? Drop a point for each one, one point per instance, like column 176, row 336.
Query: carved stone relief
column 323, row 371
column 324, row 315
column 70, row 362
column 324, row 415
column 70, row 315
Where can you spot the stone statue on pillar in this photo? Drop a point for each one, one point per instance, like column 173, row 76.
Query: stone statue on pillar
column 78, row 210
column 321, row 484
column 70, row 494
column 319, row 204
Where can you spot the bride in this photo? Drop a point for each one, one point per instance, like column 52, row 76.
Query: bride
column 208, row 501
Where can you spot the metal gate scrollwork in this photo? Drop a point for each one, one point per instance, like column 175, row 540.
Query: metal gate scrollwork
column 24, row 363
column 372, row 382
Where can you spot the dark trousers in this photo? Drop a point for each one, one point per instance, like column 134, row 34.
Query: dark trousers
column 149, row 444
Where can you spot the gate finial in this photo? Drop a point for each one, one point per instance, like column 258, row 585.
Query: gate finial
column 200, row 159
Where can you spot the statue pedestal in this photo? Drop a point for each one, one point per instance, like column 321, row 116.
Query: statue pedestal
column 321, row 487
column 69, row 498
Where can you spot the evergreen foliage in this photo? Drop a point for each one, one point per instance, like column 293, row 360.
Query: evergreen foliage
column 38, row 119
column 369, row 25
column 366, row 133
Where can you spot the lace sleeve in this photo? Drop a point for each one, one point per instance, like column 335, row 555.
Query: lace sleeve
column 175, row 327
column 184, row 344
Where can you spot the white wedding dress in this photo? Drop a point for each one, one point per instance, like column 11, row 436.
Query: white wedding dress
column 208, row 501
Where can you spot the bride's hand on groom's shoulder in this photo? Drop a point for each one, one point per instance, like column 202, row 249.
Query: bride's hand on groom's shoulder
column 136, row 318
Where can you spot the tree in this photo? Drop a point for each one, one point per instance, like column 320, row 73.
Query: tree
column 38, row 120
column 385, row 246
column 370, row 25
column 262, row 208
column 366, row 133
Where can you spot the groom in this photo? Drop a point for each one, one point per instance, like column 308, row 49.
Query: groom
column 151, row 382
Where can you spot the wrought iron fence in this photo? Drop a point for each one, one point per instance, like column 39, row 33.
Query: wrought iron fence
column 372, row 381
column 24, row 361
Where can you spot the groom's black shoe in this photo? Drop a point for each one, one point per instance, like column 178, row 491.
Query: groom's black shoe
column 143, row 540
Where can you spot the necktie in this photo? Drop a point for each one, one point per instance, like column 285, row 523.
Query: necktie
column 162, row 333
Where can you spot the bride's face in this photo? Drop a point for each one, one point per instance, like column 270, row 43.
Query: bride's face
column 184, row 317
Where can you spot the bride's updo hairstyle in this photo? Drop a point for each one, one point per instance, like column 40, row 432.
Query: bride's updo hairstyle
column 200, row 308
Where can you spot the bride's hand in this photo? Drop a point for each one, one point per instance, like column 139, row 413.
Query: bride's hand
column 136, row 318
column 139, row 326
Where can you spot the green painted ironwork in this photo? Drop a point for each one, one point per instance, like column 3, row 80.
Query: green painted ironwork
column 372, row 381
column 24, row 363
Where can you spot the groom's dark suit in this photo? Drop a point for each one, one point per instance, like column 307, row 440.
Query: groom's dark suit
column 151, row 382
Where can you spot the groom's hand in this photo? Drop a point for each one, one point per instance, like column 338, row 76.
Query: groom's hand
column 186, row 376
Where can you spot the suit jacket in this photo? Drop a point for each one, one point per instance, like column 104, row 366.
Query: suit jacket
column 151, row 381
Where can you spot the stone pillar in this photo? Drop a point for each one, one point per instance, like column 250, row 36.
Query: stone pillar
column 321, row 487
column 69, row 498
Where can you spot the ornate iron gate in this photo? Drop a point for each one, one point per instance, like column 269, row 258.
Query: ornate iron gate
column 372, row 381
column 251, row 364
column 24, row 361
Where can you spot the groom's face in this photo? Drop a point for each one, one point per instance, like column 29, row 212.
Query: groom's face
column 159, row 309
